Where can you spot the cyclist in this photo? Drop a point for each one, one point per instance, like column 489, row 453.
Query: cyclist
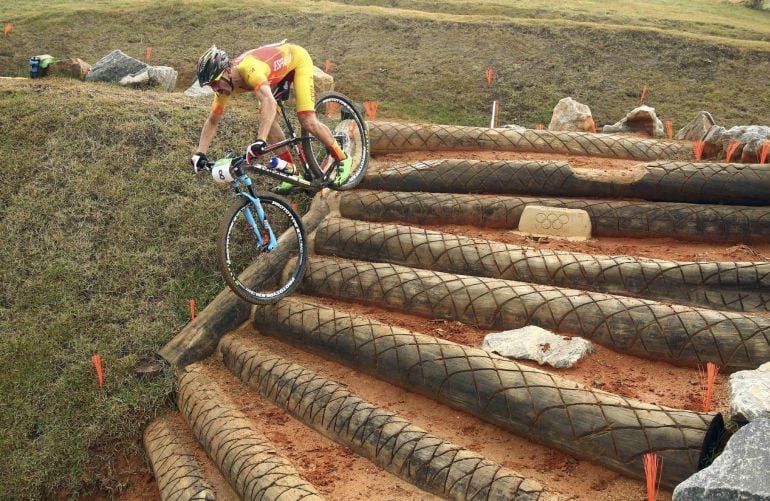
column 256, row 71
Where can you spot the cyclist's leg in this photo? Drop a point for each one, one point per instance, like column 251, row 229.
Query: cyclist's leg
column 305, row 94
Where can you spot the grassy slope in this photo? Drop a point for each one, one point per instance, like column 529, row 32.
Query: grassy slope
column 106, row 235
column 423, row 65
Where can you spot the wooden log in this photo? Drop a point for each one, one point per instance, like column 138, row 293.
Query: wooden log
column 717, row 223
column 385, row 438
column 245, row 457
column 718, row 285
column 198, row 340
column 657, row 181
column 387, row 137
column 609, row 429
column 178, row 474
column 681, row 335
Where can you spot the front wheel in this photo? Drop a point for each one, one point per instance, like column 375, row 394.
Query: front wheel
column 348, row 128
column 262, row 259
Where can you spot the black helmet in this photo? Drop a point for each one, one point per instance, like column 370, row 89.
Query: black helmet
column 211, row 65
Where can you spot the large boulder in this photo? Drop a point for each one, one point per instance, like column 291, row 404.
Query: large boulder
column 322, row 81
column 69, row 68
column 750, row 137
column 571, row 115
column 543, row 346
column 117, row 67
column 741, row 472
column 750, row 394
column 152, row 76
column 696, row 130
column 641, row 119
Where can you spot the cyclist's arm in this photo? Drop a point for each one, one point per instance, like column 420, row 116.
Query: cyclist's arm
column 267, row 110
column 208, row 132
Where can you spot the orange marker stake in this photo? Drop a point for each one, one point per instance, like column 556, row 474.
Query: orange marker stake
column 332, row 108
column 490, row 73
column 192, row 311
column 653, row 469
column 97, row 361
column 669, row 129
column 732, row 147
column 644, row 94
column 371, row 109
column 707, row 380
column 539, row 127
column 697, row 148
column 327, row 66
column 592, row 124
column 763, row 153
column 148, row 54
column 7, row 29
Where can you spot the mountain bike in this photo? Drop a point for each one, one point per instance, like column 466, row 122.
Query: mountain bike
column 262, row 228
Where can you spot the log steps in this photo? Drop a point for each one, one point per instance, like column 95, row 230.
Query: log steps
column 255, row 469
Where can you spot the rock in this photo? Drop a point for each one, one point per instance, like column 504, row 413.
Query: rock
column 741, row 472
column 513, row 127
column 114, row 66
column 533, row 343
column 759, row 4
column 322, row 81
column 69, row 68
column 696, row 130
column 196, row 90
column 571, row 115
column 641, row 119
column 751, row 137
column 750, row 394
column 152, row 76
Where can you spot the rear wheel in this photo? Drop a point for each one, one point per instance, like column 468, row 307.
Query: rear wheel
column 259, row 269
column 347, row 126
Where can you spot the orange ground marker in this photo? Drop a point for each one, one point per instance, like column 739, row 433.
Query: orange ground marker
column 192, row 311
column 327, row 65
column 97, row 361
column 7, row 29
column 732, row 147
column 148, row 54
column 653, row 469
column 669, row 129
column 697, row 148
column 371, row 109
column 592, row 124
column 707, row 379
column 764, row 152
column 644, row 94
column 490, row 74
column 332, row 108
column 539, row 127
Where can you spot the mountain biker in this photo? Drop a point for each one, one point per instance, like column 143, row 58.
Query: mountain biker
column 256, row 71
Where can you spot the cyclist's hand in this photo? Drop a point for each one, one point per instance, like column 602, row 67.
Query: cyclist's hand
column 255, row 149
column 199, row 162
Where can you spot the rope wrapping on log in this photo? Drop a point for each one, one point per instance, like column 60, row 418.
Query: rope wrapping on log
column 384, row 437
column 688, row 182
column 682, row 335
column 608, row 429
column 178, row 474
column 719, row 223
column 387, row 137
column 718, row 285
column 198, row 340
column 245, row 457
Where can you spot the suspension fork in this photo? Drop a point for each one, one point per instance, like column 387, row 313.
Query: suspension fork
column 272, row 241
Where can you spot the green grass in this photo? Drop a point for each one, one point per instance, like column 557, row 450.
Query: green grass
column 106, row 234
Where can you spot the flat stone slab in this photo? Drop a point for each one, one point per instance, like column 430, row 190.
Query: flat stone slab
column 543, row 221
column 741, row 472
column 750, row 394
column 543, row 346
